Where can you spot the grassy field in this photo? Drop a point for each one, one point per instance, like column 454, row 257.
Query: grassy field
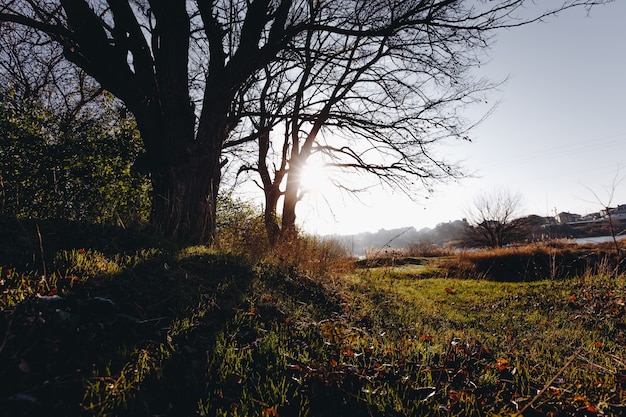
column 150, row 331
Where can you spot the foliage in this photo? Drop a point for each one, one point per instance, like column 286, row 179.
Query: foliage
column 241, row 230
column 240, row 227
column 79, row 169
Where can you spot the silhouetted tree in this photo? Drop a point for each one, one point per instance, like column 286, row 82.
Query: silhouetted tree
column 608, row 211
column 183, row 68
column 367, row 103
column 493, row 220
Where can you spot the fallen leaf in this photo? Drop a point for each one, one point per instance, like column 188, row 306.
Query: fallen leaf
column 502, row 364
column 347, row 352
column 24, row 366
column 426, row 338
column 270, row 411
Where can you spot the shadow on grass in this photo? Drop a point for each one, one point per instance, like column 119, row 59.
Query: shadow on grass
column 23, row 241
column 129, row 343
column 141, row 339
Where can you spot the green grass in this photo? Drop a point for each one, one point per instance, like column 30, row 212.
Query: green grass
column 192, row 331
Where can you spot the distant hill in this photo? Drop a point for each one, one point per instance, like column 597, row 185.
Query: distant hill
column 451, row 234
column 400, row 238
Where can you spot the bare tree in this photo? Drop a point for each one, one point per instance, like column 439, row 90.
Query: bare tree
column 183, row 68
column 607, row 210
column 494, row 221
column 32, row 69
column 383, row 102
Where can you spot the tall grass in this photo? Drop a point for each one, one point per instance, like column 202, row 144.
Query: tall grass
column 556, row 260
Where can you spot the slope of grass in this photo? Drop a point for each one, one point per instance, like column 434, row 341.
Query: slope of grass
column 150, row 330
column 514, row 338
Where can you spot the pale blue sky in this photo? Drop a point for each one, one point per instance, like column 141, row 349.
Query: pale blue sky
column 560, row 127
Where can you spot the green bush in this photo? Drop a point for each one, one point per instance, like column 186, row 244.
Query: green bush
column 79, row 169
column 240, row 228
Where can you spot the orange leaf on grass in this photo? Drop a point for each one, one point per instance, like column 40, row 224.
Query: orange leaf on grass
column 270, row 411
column 483, row 351
column 449, row 290
column 23, row 366
column 347, row 352
column 502, row 364
column 426, row 338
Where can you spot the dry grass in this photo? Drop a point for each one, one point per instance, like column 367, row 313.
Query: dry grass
column 312, row 255
column 554, row 260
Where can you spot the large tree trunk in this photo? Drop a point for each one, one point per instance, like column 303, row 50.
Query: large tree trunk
column 291, row 198
column 272, row 228
column 184, row 198
column 185, row 170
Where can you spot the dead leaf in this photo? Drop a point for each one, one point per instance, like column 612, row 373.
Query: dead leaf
column 426, row 338
column 502, row 364
column 270, row 411
column 24, row 366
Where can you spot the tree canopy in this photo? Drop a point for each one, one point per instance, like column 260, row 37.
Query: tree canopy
column 387, row 75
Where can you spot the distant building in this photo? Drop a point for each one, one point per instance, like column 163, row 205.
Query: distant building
column 617, row 213
column 591, row 217
column 565, row 217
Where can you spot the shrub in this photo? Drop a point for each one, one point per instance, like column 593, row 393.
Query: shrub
column 80, row 169
column 534, row 262
column 240, row 228
column 311, row 254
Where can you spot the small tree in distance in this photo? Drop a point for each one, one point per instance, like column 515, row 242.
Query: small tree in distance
column 607, row 209
column 494, row 221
